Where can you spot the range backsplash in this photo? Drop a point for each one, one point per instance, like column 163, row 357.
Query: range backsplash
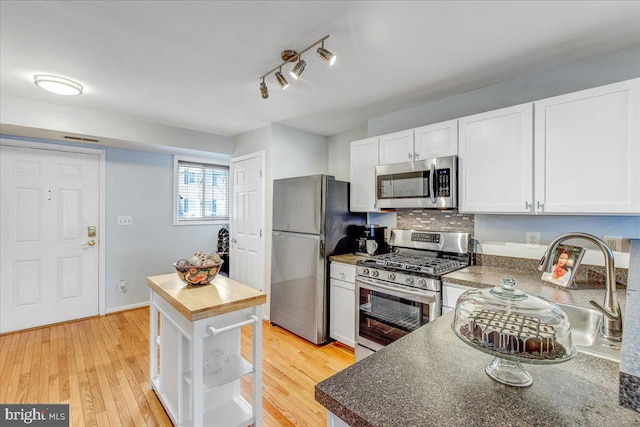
column 435, row 220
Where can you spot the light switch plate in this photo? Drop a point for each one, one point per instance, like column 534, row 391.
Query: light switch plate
column 125, row 220
column 614, row 242
column 532, row 239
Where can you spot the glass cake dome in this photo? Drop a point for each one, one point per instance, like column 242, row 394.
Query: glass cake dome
column 515, row 327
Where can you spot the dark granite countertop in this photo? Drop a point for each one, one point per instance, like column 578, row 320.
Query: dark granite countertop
column 431, row 378
column 530, row 282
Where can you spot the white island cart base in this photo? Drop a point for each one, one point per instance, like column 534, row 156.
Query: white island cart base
column 210, row 348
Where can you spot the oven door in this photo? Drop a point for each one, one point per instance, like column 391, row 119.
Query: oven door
column 386, row 313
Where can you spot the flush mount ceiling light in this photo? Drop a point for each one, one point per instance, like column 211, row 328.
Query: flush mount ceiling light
column 294, row 56
column 57, row 85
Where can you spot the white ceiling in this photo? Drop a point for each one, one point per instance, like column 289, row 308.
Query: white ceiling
column 196, row 64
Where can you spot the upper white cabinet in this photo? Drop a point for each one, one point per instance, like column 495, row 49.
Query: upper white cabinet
column 496, row 161
column 396, row 147
column 587, row 151
column 436, row 140
column 583, row 160
column 426, row 142
column 364, row 159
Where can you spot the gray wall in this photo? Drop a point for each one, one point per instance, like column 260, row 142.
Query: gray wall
column 140, row 184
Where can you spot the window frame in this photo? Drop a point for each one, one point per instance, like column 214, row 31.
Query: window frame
column 176, row 187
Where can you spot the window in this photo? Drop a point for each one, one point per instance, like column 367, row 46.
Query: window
column 202, row 192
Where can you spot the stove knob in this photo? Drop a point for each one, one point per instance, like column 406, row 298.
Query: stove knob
column 392, row 276
column 365, row 271
column 409, row 280
column 375, row 273
column 422, row 283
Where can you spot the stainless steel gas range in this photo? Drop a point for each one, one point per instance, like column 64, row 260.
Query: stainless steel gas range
column 400, row 291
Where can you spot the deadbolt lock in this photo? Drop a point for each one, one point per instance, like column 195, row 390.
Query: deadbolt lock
column 91, row 231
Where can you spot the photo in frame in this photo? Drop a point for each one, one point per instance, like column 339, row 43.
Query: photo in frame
column 565, row 261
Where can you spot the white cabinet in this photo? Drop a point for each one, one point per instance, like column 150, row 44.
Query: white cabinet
column 364, row 159
column 396, row 147
column 342, row 307
column 436, row 140
column 450, row 295
column 583, row 160
column 495, row 166
column 587, row 151
column 426, row 142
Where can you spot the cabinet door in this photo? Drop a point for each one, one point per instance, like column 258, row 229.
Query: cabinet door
column 396, row 147
column 587, row 149
column 496, row 161
column 436, row 140
column 364, row 159
column 342, row 312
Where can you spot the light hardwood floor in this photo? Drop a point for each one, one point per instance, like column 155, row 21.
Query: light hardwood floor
column 100, row 367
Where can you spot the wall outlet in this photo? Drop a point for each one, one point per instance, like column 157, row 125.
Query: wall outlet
column 614, row 242
column 125, row 220
column 532, row 239
column 123, row 286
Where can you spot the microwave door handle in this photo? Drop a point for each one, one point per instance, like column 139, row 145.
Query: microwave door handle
column 432, row 182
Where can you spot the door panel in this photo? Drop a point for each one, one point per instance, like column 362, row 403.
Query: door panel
column 246, row 249
column 49, row 272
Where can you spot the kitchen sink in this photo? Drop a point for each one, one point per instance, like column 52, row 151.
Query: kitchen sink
column 585, row 332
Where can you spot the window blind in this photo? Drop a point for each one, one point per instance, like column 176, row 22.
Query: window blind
column 203, row 191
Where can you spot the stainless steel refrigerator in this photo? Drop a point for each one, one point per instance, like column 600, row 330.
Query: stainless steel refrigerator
column 311, row 222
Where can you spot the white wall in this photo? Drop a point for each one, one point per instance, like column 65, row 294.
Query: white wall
column 115, row 128
column 340, row 152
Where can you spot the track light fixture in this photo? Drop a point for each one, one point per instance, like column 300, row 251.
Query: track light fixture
column 263, row 90
column 281, row 80
column 293, row 56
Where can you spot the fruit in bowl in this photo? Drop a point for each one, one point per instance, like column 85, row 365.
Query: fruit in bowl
column 198, row 270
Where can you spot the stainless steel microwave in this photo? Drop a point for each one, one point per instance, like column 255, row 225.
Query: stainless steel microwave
column 430, row 183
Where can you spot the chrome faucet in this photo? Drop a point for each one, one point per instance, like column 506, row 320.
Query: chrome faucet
column 611, row 327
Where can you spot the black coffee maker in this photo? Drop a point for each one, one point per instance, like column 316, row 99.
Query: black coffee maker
column 369, row 239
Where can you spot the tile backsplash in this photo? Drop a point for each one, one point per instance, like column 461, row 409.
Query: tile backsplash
column 435, row 220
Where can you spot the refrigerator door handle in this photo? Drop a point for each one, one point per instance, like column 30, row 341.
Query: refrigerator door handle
column 322, row 254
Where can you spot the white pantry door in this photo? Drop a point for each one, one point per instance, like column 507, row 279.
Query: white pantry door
column 49, row 267
column 247, row 251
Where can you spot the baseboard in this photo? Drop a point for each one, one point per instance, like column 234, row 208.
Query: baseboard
column 127, row 307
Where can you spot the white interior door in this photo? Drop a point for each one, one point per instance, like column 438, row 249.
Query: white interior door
column 49, row 263
column 247, row 249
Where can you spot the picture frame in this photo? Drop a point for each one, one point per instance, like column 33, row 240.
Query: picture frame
column 565, row 261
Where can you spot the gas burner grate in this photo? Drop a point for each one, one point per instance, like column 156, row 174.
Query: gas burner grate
column 417, row 263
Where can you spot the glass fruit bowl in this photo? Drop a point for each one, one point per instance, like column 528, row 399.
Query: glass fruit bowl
column 515, row 328
column 197, row 275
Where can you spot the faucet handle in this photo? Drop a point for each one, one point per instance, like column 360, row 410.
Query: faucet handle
column 607, row 313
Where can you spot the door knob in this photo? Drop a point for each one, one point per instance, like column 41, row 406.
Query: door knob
column 91, row 242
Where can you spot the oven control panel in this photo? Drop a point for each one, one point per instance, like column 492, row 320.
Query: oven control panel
column 399, row 279
column 424, row 237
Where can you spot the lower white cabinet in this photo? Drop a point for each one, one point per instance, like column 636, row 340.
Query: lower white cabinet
column 450, row 294
column 342, row 307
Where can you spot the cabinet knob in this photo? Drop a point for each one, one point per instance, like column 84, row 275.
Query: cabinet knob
column 409, row 156
column 527, row 206
column 416, row 156
column 540, row 206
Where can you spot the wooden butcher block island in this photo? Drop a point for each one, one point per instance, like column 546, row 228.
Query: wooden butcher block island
column 196, row 329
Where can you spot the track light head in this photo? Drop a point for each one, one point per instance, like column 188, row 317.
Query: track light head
column 298, row 69
column 263, row 90
column 281, row 80
column 326, row 55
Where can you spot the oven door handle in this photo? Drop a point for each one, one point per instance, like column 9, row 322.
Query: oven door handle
column 424, row 298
